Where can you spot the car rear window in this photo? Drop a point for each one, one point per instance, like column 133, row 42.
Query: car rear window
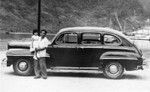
column 111, row 40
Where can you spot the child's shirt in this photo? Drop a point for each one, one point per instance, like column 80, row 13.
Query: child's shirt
column 35, row 41
column 34, row 44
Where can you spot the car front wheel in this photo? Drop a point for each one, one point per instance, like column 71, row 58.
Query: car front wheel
column 113, row 70
column 23, row 67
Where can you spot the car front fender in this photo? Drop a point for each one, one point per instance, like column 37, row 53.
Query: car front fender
column 19, row 52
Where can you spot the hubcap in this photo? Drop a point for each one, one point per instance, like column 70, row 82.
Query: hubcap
column 22, row 66
column 113, row 69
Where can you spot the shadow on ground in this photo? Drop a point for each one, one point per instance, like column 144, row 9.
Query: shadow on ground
column 82, row 75
column 131, row 76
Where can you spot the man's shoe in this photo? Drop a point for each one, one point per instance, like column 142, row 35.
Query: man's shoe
column 44, row 77
column 37, row 77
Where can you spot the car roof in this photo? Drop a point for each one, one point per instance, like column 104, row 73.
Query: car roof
column 91, row 29
column 94, row 29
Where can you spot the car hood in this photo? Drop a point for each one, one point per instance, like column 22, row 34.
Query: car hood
column 20, row 44
column 19, row 52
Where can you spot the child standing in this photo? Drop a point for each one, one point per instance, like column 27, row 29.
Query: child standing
column 34, row 43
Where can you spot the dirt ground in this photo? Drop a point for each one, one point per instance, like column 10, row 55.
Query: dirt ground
column 132, row 81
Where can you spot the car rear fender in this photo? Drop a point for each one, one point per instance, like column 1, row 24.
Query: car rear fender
column 113, row 55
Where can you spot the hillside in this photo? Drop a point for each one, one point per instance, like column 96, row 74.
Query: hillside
column 21, row 15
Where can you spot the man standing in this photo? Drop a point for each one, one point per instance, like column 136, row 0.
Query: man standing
column 40, row 63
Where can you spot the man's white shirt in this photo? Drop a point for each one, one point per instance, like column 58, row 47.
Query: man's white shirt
column 42, row 43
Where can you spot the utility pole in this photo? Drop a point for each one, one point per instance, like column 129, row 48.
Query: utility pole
column 39, row 17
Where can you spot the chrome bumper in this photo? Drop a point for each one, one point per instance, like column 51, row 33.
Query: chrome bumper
column 146, row 63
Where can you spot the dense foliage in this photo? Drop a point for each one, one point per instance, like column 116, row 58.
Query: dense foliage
column 21, row 15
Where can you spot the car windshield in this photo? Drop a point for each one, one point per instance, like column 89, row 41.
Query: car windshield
column 67, row 38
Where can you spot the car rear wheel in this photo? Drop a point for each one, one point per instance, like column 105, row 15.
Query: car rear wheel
column 23, row 67
column 113, row 70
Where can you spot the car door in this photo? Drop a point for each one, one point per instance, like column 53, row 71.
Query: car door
column 64, row 51
column 90, row 49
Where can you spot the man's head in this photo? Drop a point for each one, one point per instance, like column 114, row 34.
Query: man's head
column 43, row 33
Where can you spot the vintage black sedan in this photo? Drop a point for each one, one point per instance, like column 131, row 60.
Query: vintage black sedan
column 82, row 48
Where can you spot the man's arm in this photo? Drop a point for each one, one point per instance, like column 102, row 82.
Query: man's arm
column 40, row 49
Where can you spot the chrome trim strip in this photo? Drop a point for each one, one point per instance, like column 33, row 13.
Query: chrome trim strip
column 120, row 58
column 20, row 55
column 75, row 68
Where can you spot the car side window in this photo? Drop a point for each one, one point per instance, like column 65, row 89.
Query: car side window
column 111, row 40
column 67, row 38
column 91, row 38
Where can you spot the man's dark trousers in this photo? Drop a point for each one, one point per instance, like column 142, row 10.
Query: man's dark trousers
column 40, row 67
